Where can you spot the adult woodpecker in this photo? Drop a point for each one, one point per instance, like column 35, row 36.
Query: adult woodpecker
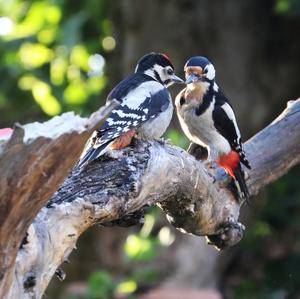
column 145, row 108
column 207, row 119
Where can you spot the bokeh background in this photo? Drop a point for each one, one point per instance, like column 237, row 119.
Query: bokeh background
column 62, row 55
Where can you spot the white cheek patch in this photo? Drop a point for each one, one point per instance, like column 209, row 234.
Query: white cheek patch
column 161, row 72
column 210, row 72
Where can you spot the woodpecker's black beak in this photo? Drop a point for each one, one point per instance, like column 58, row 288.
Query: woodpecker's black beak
column 176, row 79
column 193, row 78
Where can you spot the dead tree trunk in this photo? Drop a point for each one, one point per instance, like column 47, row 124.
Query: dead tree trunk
column 110, row 189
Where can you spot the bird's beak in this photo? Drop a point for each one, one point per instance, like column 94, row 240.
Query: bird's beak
column 192, row 78
column 176, row 79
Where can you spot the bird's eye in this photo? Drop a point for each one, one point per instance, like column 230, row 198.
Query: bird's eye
column 205, row 70
column 169, row 71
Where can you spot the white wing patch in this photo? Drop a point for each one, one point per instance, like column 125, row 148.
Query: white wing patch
column 137, row 96
column 131, row 115
column 228, row 110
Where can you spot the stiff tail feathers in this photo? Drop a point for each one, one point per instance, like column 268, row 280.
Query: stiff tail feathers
column 239, row 175
column 92, row 154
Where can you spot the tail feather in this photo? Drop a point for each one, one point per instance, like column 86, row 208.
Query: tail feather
column 92, row 154
column 239, row 175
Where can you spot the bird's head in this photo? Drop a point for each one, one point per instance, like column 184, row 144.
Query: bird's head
column 159, row 67
column 199, row 69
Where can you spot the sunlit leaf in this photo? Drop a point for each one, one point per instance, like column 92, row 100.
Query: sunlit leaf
column 33, row 22
column 126, row 287
column 58, row 69
column 96, row 84
column 53, row 14
column 47, row 36
column 73, row 73
column 75, row 93
column 27, row 82
column 80, row 57
column 148, row 225
column 42, row 95
column 34, row 55
column 138, row 248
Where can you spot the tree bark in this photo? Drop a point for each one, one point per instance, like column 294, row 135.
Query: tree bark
column 33, row 164
column 194, row 198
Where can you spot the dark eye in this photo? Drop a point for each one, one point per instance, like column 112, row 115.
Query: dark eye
column 205, row 70
column 169, row 71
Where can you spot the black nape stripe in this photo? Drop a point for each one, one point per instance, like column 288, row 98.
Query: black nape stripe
column 157, row 77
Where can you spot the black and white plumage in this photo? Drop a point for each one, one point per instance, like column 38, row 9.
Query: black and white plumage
column 145, row 107
column 207, row 118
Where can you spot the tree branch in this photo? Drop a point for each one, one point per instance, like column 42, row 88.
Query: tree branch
column 33, row 163
column 145, row 174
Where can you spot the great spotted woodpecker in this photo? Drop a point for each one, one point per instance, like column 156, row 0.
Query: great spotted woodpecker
column 145, row 108
column 207, row 119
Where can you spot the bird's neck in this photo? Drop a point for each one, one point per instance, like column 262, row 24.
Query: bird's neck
column 197, row 91
column 153, row 74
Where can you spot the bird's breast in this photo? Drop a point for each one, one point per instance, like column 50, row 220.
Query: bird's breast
column 154, row 128
column 200, row 129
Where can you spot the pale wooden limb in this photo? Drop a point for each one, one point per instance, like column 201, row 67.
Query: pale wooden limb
column 33, row 162
column 145, row 174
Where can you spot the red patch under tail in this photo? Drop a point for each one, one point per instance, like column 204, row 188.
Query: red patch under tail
column 123, row 140
column 229, row 162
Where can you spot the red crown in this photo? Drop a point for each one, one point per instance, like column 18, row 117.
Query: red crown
column 167, row 57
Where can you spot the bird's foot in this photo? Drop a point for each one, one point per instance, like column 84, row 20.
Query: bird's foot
column 229, row 234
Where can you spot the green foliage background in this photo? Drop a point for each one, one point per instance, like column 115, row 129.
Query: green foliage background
column 45, row 57
column 47, row 49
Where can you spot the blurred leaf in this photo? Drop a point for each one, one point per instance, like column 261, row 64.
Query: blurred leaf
column 26, row 82
column 282, row 6
column 79, row 57
column 177, row 138
column 58, row 69
column 148, row 225
column 76, row 93
column 140, row 249
column 101, row 286
column 34, row 55
column 47, row 36
column 288, row 7
column 42, row 94
column 96, row 84
column 126, row 287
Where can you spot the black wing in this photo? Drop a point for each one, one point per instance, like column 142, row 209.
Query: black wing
column 225, row 123
column 140, row 103
column 127, row 85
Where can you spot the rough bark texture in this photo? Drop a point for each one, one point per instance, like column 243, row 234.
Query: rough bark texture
column 33, row 163
column 145, row 174
column 254, row 67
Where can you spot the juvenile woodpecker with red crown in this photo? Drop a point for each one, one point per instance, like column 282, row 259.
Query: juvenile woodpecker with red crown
column 207, row 119
column 145, row 108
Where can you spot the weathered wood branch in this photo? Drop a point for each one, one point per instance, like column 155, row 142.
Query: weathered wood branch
column 145, row 174
column 33, row 163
